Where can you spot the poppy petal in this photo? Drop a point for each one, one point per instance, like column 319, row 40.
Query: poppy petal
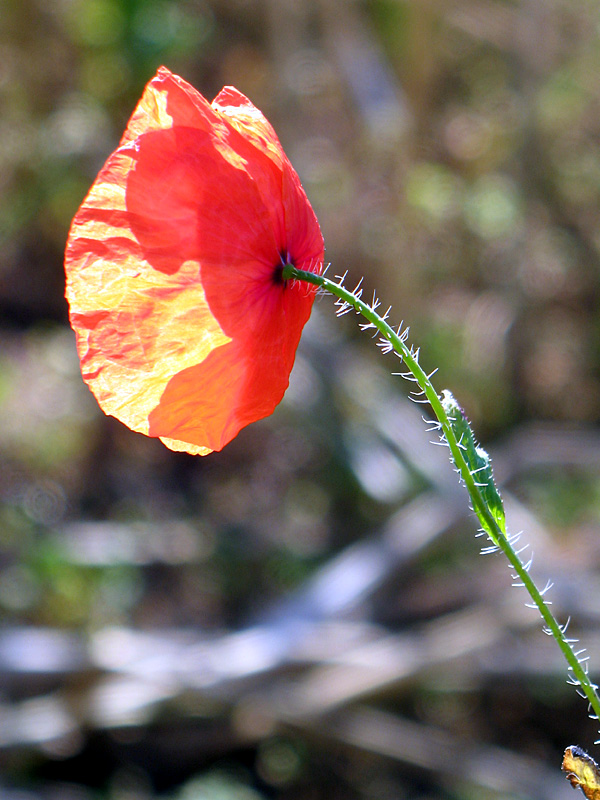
column 184, row 328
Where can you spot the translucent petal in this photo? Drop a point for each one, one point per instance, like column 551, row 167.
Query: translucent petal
column 184, row 328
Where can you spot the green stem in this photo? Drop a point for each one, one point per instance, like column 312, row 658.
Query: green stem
column 498, row 537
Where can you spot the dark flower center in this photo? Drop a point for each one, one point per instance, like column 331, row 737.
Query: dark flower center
column 284, row 260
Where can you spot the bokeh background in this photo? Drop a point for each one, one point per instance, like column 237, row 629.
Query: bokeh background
column 306, row 615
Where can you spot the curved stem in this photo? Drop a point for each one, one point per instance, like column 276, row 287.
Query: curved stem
column 498, row 537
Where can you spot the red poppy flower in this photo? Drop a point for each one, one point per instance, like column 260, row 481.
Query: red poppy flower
column 185, row 328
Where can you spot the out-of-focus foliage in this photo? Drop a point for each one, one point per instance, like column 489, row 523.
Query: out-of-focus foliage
column 451, row 151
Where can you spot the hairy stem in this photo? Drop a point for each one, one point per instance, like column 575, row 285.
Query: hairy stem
column 579, row 675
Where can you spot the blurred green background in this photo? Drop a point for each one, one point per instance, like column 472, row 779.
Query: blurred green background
column 306, row 614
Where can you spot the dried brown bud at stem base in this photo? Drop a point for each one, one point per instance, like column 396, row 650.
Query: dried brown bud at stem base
column 582, row 771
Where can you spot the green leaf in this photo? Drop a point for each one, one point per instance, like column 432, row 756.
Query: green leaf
column 478, row 461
